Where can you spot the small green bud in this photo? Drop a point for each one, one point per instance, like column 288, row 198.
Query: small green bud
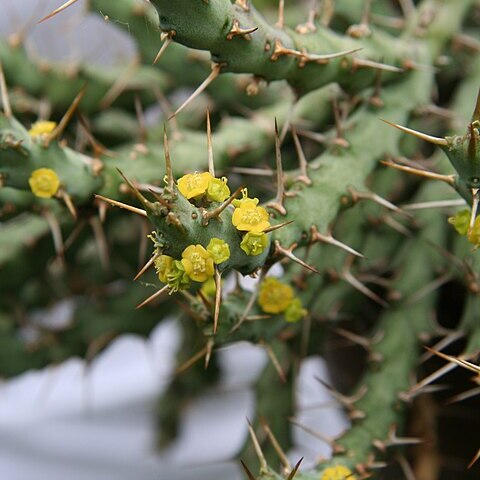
column 254, row 243
column 461, row 221
column 177, row 278
column 218, row 190
column 295, row 311
column 219, row 250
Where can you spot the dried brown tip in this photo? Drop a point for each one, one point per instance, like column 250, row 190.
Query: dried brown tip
column 247, row 471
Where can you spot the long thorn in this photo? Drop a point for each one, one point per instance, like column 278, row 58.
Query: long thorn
column 277, row 204
column 216, row 69
column 56, row 232
column 328, row 239
column 195, row 358
column 423, row 136
column 153, row 297
column 215, row 213
column 450, row 179
column 257, row 448
column 428, row 380
column 69, row 203
column 281, row 14
column 275, row 362
column 276, row 446
column 434, row 204
column 146, row 266
column 301, row 158
column 358, row 62
column 474, row 392
column 168, row 162
column 358, row 285
column 248, row 307
column 472, row 144
column 458, row 361
column 211, row 166
column 208, row 353
column 164, row 46
column 287, row 253
column 134, row 189
column 332, row 56
column 58, row 10
column 247, row 470
column 324, row 438
column 474, row 459
column 476, row 111
column 138, row 211
column 475, row 202
column 59, row 129
column 276, row 227
column 218, row 299
column 101, row 242
column 120, row 84
column 7, row 108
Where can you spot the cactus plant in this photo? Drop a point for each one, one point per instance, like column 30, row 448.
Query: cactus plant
column 356, row 265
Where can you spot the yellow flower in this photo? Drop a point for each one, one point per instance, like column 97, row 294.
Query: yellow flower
column 274, row 296
column 238, row 201
column 248, row 217
column 338, row 472
column 42, row 127
column 163, row 266
column 194, row 184
column 295, row 311
column 219, row 250
column 198, row 263
column 44, row 182
column 218, row 190
column 461, row 221
column 254, row 243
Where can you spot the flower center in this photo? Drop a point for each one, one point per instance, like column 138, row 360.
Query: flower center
column 195, row 181
column 251, row 216
column 198, row 263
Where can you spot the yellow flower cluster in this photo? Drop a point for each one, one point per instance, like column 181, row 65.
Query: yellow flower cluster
column 277, row 297
column 195, row 185
column 461, row 223
column 44, row 182
column 338, row 472
column 249, row 217
column 197, row 264
column 42, row 127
